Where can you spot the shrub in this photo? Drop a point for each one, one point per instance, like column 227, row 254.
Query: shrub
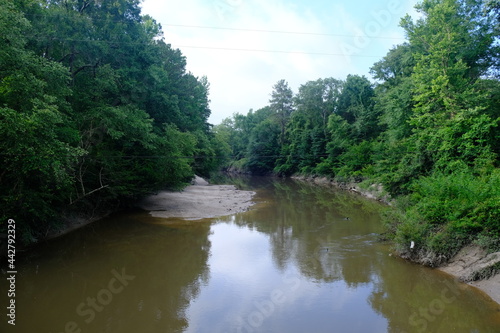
column 447, row 211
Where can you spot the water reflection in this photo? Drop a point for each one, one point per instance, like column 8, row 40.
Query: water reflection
column 325, row 233
column 67, row 280
column 306, row 259
column 329, row 238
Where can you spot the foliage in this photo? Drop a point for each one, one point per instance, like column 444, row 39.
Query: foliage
column 263, row 147
column 307, row 133
column 281, row 103
column 95, row 110
column 448, row 210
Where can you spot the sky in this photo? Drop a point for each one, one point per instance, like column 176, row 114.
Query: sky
column 244, row 47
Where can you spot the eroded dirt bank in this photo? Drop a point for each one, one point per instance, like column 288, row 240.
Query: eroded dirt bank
column 375, row 191
column 476, row 267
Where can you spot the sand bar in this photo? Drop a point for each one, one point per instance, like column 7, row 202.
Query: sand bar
column 198, row 201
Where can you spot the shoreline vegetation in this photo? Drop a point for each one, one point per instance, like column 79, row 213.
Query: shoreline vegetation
column 198, row 200
column 425, row 134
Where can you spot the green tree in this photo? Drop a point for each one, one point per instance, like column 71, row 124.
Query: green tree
column 394, row 102
column 394, row 93
column 263, row 149
column 355, row 105
column 281, row 103
column 95, row 108
column 449, row 114
column 307, row 133
column 38, row 146
column 354, row 123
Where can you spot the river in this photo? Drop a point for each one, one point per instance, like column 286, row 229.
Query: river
column 304, row 259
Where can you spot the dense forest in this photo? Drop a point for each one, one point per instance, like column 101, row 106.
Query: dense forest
column 95, row 111
column 426, row 128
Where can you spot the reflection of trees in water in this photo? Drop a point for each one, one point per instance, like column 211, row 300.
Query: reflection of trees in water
column 307, row 228
column 386, row 296
column 307, row 225
column 414, row 300
column 174, row 274
column 169, row 264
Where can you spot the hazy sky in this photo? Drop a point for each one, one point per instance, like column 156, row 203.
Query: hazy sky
column 309, row 39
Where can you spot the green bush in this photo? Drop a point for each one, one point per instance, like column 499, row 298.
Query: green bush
column 447, row 211
column 324, row 168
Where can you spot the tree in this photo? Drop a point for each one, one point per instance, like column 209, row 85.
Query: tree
column 281, row 103
column 394, row 94
column 38, row 146
column 449, row 114
column 96, row 110
column 355, row 105
column 307, row 133
column 263, row 148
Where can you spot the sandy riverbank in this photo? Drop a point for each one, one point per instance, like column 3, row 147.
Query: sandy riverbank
column 198, row 201
column 471, row 264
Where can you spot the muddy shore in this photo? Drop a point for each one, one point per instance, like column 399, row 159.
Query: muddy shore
column 200, row 200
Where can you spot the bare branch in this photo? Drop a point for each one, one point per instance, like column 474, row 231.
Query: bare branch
column 88, row 193
column 85, row 5
column 81, row 69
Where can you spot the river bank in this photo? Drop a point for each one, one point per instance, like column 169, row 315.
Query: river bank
column 374, row 191
column 471, row 265
column 198, row 201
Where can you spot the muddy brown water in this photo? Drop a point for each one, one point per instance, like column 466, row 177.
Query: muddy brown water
column 305, row 259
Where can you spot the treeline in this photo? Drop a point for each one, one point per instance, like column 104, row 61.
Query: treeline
column 427, row 129
column 95, row 110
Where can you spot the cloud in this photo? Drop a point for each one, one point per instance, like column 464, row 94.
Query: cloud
column 241, row 80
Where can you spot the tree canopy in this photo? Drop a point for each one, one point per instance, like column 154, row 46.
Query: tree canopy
column 95, row 109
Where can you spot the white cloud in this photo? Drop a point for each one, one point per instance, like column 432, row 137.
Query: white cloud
column 241, row 80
